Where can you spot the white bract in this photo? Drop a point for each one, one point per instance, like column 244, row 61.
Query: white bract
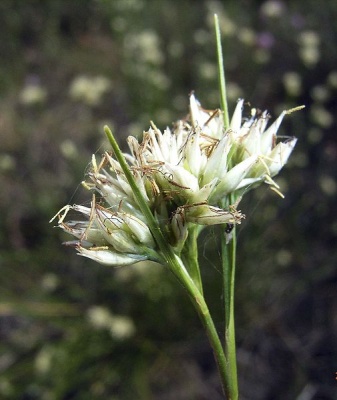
column 184, row 175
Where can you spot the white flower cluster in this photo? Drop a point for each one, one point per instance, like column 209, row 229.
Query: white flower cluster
column 183, row 174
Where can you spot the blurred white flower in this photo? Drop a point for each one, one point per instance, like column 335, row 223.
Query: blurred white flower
column 68, row 148
column 43, row 360
column 328, row 185
column 310, row 55
column 207, row 70
column 120, row 327
column 50, row 282
column 7, row 162
column 321, row 116
column 89, row 90
column 292, row 82
column 145, row 47
column 234, row 91
column 332, row 79
column 320, row 93
column 247, row 36
column 33, row 94
column 309, row 39
column 272, row 8
column 309, row 47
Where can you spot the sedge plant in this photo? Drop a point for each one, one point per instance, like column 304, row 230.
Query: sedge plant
column 155, row 201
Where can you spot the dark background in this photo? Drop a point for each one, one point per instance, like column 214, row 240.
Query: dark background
column 71, row 329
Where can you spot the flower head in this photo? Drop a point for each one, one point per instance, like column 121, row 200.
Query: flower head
column 183, row 174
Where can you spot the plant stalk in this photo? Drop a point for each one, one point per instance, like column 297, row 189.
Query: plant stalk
column 201, row 307
column 189, row 256
column 221, row 73
column 175, row 264
column 228, row 265
column 228, row 250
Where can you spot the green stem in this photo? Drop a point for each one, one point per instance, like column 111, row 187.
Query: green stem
column 230, row 347
column 228, row 259
column 228, row 268
column 175, row 264
column 201, row 307
column 189, row 256
column 228, row 250
column 221, row 73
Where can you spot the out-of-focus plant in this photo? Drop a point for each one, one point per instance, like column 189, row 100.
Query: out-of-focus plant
column 154, row 202
column 89, row 90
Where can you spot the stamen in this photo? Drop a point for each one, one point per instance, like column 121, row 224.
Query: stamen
column 271, row 182
column 261, row 158
column 65, row 209
column 277, row 191
column 294, row 109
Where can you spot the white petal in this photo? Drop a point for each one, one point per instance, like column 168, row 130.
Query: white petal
column 141, row 186
column 155, row 148
column 122, row 242
column 217, row 162
column 113, row 235
column 85, row 231
column 248, row 182
column 116, row 199
column 268, row 136
column 139, row 229
column 108, row 220
column 108, row 257
column 182, row 178
column 82, row 209
column 233, row 178
column 193, row 154
column 174, row 141
column 195, row 111
column 279, row 156
column 203, row 194
column 236, row 121
column 124, row 184
column 251, row 142
column 133, row 145
column 200, row 117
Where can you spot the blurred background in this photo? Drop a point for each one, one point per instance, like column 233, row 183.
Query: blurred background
column 72, row 329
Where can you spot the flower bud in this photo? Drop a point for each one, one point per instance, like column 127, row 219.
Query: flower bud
column 179, row 228
column 203, row 214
